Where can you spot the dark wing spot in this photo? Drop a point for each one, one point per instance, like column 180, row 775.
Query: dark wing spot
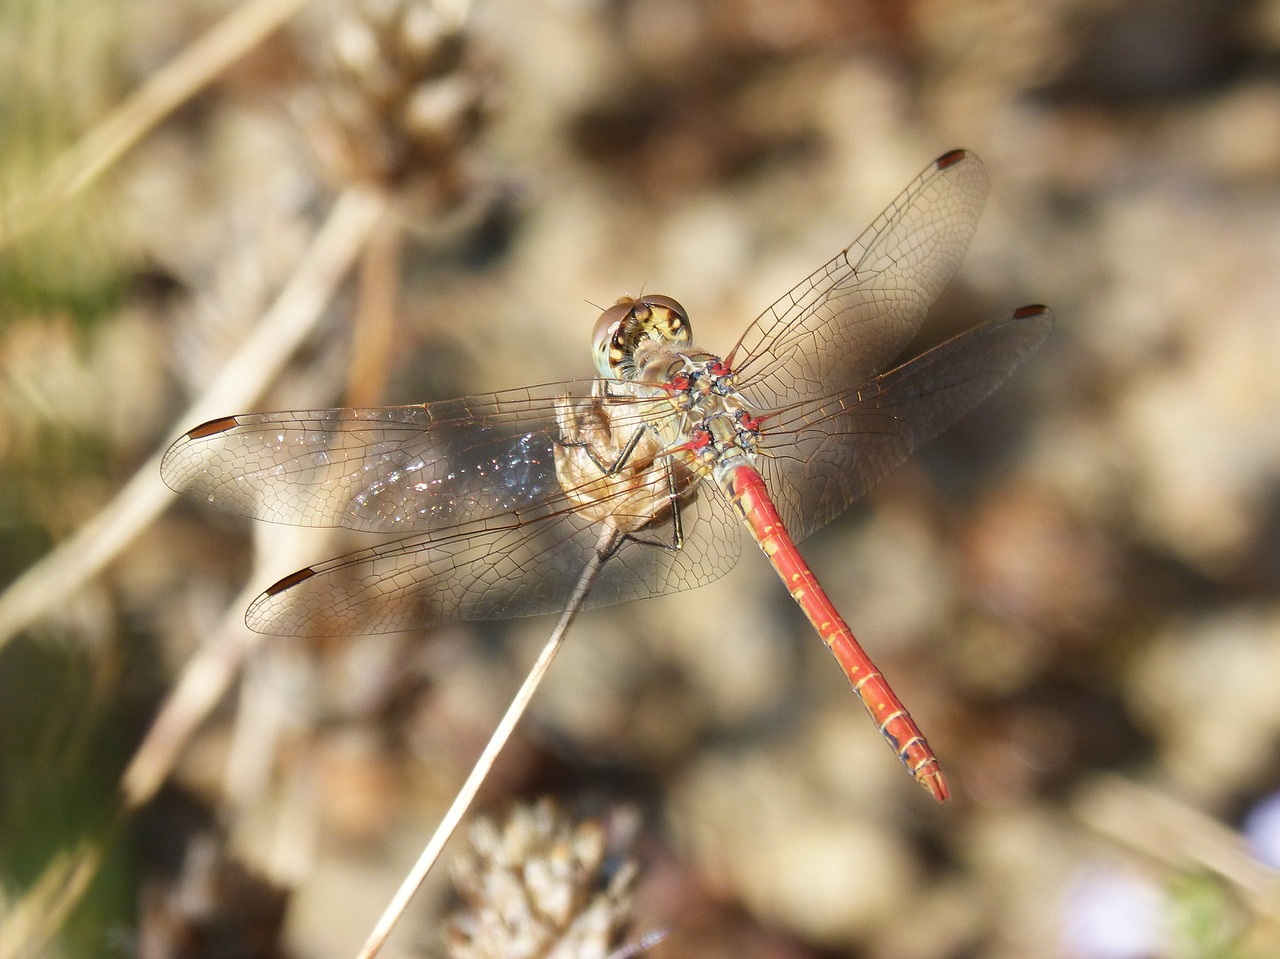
column 212, row 428
column 293, row 579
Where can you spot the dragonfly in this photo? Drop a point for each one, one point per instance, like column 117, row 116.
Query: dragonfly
column 639, row 481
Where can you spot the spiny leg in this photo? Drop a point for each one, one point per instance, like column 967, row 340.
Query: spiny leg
column 677, row 524
column 616, row 466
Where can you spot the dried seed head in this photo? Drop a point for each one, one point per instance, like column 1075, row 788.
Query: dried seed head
column 539, row 887
column 398, row 97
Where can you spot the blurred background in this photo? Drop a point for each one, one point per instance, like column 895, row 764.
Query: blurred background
column 357, row 202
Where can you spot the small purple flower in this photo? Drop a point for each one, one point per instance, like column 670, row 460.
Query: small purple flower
column 1262, row 831
column 1110, row 912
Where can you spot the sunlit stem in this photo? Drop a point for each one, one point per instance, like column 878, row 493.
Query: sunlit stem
column 280, row 331
column 165, row 90
column 609, row 537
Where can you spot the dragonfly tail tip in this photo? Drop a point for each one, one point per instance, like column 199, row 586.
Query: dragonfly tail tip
column 935, row 782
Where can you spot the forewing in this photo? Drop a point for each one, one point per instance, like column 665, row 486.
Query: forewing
column 820, row 456
column 426, row 468
column 840, row 326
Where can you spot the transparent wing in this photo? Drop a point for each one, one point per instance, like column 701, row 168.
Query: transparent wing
column 840, row 326
column 517, row 569
column 427, row 468
column 474, row 480
column 821, row 455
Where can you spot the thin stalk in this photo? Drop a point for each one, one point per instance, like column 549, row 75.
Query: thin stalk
column 255, row 365
column 31, row 922
column 165, row 90
column 373, row 343
column 497, row 742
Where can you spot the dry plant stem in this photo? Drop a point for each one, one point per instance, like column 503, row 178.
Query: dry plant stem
column 258, row 361
column 1171, row 832
column 204, row 681
column 261, row 722
column 467, row 794
column 375, row 320
column 290, row 857
column 31, row 923
column 166, row 89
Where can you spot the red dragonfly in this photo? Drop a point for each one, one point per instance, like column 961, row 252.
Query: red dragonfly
column 636, row 483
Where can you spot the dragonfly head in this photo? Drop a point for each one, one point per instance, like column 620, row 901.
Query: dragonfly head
column 632, row 326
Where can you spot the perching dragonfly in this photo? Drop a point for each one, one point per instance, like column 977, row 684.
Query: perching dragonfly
column 636, row 483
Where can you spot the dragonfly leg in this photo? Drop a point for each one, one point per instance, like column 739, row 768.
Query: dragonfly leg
column 610, row 469
column 677, row 526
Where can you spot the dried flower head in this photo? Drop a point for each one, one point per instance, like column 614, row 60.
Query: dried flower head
column 540, row 887
column 399, row 98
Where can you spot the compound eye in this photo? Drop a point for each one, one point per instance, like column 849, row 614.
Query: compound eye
column 666, row 321
column 606, row 345
column 667, row 302
column 631, row 326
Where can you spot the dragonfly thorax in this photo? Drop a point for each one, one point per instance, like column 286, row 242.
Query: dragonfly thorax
column 714, row 425
column 632, row 328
